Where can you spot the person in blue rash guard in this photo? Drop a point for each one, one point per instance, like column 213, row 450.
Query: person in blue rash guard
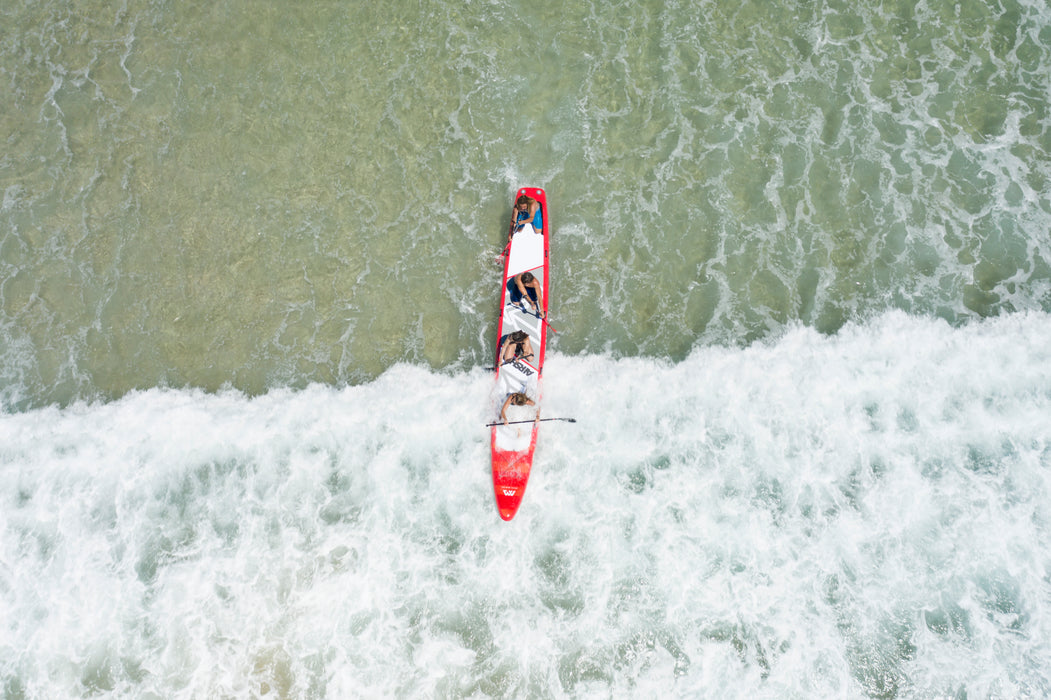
column 527, row 211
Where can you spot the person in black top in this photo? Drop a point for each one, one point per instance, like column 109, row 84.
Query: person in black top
column 516, row 345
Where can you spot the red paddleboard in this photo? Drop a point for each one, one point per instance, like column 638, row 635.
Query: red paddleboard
column 513, row 445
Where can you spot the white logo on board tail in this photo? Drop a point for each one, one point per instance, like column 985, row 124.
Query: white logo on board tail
column 509, row 492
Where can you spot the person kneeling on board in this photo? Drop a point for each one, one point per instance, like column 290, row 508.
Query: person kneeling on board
column 525, row 282
column 527, row 211
column 516, row 346
column 516, row 399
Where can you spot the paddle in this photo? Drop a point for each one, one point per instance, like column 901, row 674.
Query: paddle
column 538, row 420
column 537, row 314
column 510, row 235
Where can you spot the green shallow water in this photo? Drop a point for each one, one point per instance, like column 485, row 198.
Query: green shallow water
column 264, row 194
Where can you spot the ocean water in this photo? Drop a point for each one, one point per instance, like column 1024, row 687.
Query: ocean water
column 801, row 281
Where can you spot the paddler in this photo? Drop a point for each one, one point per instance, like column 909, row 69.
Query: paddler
column 515, row 346
column 527, row 211
column 515, row 399
column 525, row 282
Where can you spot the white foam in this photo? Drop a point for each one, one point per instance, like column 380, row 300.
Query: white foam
column 814, row 516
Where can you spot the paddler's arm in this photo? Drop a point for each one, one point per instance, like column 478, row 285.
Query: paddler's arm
column 539, row 300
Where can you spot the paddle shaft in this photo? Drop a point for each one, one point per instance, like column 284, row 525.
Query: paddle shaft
column 542, row 318
column 536, row 420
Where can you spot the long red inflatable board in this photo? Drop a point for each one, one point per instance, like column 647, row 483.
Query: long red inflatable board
column 513, row 445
